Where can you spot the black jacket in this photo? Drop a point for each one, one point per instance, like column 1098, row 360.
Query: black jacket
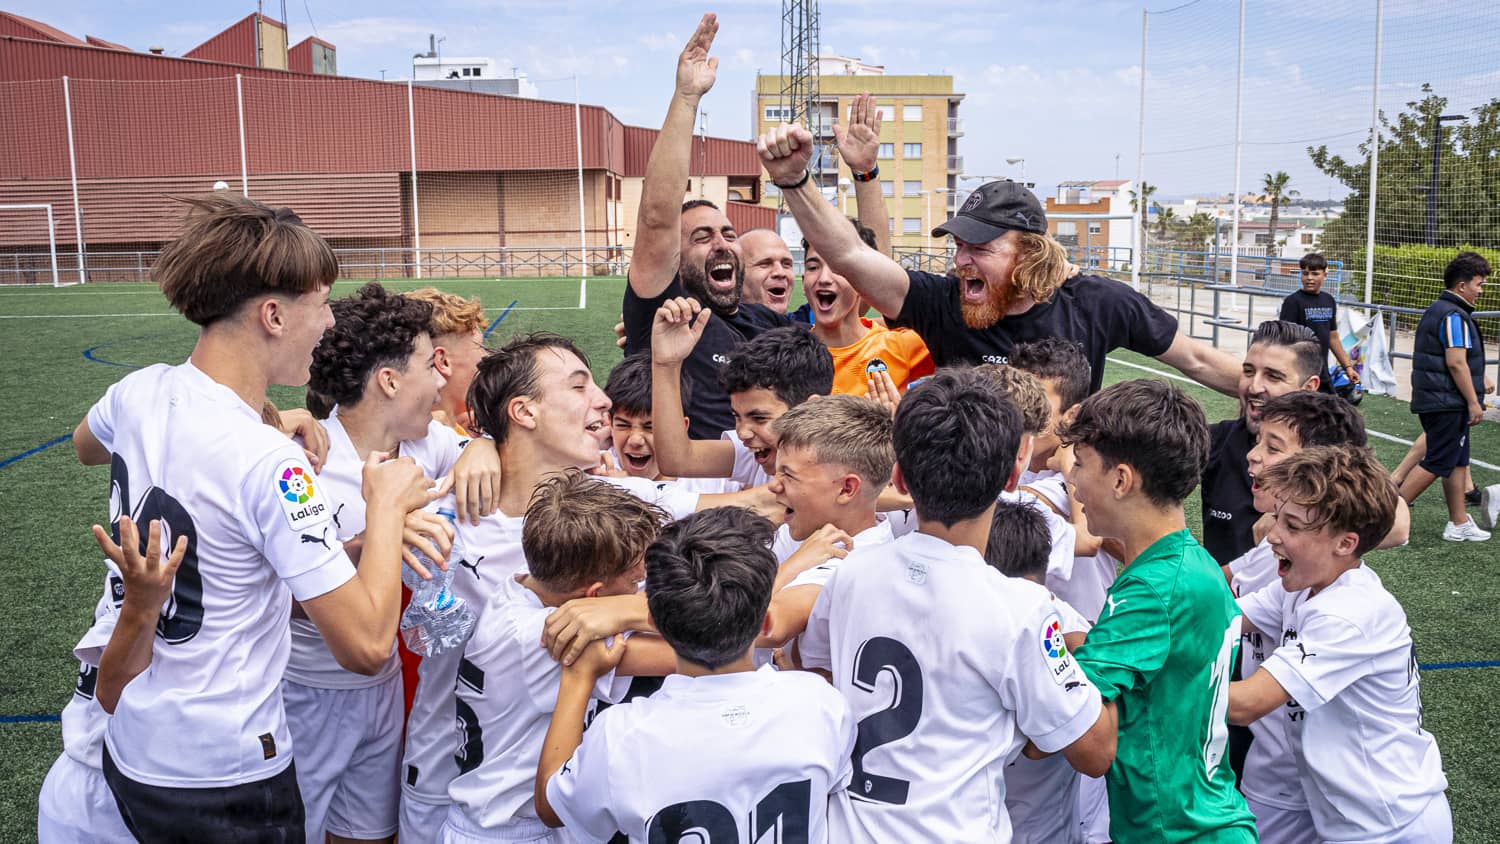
column 1432, row 387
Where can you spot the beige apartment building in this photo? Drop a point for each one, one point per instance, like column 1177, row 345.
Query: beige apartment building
column 920, row 127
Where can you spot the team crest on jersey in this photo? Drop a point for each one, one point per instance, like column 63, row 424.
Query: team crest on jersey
column 299, row 499
column 875, row 365
column 1059, row 661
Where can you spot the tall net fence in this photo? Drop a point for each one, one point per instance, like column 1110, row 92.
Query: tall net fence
column 404, row 181
column 1249, row 169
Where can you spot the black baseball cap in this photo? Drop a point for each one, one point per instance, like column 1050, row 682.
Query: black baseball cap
column 991, row 210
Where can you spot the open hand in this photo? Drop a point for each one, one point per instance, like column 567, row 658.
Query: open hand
column 860, row 143
column 598, row 659
column 696, row 69
column 675, row 331
column 149, row 577
column 882, row 388
column 299, row 424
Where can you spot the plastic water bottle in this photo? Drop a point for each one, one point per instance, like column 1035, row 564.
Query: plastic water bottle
column 436, row 620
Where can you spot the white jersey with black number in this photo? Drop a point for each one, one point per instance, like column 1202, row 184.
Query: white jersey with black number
column 490, row 555
column 311, row 663
column 1367, row 766
column 507, row 689
column 751, row 756
column 946, row 663
column 189, row 451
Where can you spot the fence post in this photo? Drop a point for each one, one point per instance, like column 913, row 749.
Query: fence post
column 239, row 99
column 73, row 175
column 1374, row 159
column 416, row 215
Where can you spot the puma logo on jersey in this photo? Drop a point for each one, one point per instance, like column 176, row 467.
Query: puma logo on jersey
column 1302, row 649
column 472, row 567
column 321, row 539
column 1112, row 601
column 338, row 525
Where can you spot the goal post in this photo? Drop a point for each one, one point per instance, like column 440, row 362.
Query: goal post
column 21, row 240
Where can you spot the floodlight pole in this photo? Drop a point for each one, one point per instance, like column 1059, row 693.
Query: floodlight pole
column 73, row 175
column 416, row 212
column 1374, row 158
column 1138, row 238
column 583, row 237
column 1239, row 112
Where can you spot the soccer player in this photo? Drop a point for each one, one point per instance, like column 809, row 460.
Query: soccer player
column 633, row 427
column 379, row 367
column 1344, row 680
column 1164, row 646
column 724, row 752
column 457, row 330
column 581, row 538
column 764, row 376
column 1309, row 306
column 1042, row 796
column 946, row 663
column 198, row 747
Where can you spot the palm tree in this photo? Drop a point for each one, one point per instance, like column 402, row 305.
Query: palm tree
column 1165, row 218
column 1278, row 194
column 1139, row 200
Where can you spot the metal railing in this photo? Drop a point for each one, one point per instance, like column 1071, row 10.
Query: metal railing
column 955, row 163
column 955, row 126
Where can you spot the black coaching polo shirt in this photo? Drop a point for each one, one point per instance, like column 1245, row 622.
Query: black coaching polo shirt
column 1229, row 513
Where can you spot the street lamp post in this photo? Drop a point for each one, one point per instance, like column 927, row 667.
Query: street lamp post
column 1437, row 163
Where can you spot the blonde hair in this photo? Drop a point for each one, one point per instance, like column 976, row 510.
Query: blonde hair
column 1024, row 390
column 451, row 314
column 1041, row 268
column 843, row 430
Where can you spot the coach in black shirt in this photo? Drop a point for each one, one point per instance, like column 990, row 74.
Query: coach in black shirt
column 690, row 250
column 1011, row 282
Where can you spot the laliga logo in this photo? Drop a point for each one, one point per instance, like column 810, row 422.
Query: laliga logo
column 296, row 487
column 1052, row 641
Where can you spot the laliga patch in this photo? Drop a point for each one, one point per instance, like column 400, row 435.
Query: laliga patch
column 298, row 495
column 1055, row 651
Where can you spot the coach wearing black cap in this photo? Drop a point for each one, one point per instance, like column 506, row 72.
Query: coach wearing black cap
column 1011, row 282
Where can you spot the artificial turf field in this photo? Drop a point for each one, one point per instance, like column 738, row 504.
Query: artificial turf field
column 61, row 349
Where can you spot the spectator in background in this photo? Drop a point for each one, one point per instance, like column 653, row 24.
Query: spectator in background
column 1317, row 310
column 1447, row 380
column 769, row 272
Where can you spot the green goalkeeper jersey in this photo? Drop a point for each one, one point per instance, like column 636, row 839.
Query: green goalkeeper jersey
column 1162, row 651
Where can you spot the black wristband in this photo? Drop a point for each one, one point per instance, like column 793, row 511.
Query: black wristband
column 870, row 176
column 806, row 174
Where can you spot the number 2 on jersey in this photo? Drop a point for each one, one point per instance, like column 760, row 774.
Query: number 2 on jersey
column 1217, row 735
column 897, row 721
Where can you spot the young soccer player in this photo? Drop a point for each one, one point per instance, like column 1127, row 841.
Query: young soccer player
column 1344, row 681
column 457, row 330
column 946, row 662
column 1164, row 646
column 633, row 427
column 764, row 376
column 198, row 744
column 724, row 752
column 378, row 366
column 1309, row 306
column 1042, row 796
column 860, row 348
column 581, row 538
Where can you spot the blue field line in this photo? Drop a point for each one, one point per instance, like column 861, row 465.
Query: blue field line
column 1449, row 666
column 16, row 458
column 88, row 354
column 29, row 719
column 499, row 319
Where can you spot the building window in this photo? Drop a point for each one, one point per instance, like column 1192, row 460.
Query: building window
column 1096, row 228
column 887, row 189
column 911, row 113
column 778, row 114
column 476, row 71
column 911, row 187
column 887, row 151
column 1067, row 233
column 911, row 225
column 1307, row 239
column 466, row 71
column 1262, row 239
column 891, row 224
column 887, row 112
column 911, row 150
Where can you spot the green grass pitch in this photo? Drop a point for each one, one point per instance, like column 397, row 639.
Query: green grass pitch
column 62, row 348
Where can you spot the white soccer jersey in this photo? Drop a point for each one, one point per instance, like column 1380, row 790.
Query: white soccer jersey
column 1355, row 725
column 1042, row 795
column 1253, row 571
column 507, row 689
column 1085, row 587
column 677, row 501
column 189, row 451
column 490, row 554
column 311, row 663
column 819, row 575
column 946, row 663
column 746, row 472
column 1061, row 532
column 730, row 756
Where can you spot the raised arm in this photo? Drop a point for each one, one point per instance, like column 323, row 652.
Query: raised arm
column 658, row 237
column 860, row 147
column 785, row 152
column 678, row 325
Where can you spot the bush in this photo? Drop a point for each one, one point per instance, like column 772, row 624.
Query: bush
column 1411, row 275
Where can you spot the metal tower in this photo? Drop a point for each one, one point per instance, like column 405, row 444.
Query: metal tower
column 799, row 71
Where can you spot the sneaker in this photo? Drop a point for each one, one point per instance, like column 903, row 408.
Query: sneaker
column 1489, row 506
column 1473, row 497
column 1468, row 531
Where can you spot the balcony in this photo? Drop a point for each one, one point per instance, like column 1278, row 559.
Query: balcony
column 821, row 126
column 955, row 164
column 955, row 127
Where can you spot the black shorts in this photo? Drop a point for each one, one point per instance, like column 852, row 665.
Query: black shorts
column 1447, row 441
column 265, row 812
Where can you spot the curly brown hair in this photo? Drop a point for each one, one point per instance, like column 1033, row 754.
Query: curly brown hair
column 1344, row 485
column 371, row 329
column 581, row 530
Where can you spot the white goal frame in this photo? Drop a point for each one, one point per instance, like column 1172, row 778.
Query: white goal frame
column 51, row 234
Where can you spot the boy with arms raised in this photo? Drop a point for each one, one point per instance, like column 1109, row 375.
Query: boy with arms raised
column 633, row 427
column 1164, row 646
column 724, row 750
column 582, row 538
column 946, row 662
column 1344, row 680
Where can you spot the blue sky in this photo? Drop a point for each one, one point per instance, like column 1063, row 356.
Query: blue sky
column 1055, row 83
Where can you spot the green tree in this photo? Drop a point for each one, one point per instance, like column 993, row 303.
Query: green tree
column 1469, row 172
column 1166, row 219
column 1274, row 186
column 1140, row 201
